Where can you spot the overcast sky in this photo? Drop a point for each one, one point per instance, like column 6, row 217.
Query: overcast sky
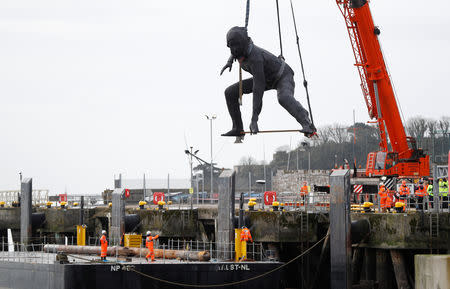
column 89, row 89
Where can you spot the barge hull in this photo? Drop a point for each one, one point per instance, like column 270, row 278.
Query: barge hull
column 19, row 275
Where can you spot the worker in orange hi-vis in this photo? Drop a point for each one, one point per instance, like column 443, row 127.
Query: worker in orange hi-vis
column 245, row 237
column 104, row 246
column 403, row 193
column 389, row 200
column 420, row 193
column 383, row 194
column 304, row 190
column 149, row 245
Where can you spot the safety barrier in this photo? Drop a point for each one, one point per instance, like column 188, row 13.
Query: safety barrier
column 320, row 202
column 413, row 203
column 287, row 201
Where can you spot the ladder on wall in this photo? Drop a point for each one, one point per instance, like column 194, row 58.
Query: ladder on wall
column 434, row 225
column 434, row 228
column 304, row 245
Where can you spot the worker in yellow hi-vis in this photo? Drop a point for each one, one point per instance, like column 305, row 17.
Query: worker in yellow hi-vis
column 245, row 237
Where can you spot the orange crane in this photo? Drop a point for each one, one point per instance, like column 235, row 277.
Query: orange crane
column 400, row 156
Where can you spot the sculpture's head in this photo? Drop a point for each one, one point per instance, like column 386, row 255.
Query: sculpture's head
column 238, row 41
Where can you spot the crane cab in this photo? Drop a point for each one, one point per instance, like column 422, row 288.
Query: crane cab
column 380, row 163
column 388, row 164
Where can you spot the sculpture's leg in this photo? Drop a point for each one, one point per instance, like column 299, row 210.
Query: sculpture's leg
column 232, row 98
column 285, row 93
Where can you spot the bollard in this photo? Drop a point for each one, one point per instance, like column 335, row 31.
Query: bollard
column 251, row 204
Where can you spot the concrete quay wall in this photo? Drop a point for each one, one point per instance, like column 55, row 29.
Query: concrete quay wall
column 389, row 231
column 292, row 180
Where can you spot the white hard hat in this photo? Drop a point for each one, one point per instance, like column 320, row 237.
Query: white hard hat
column 149, row 233
column 103, row 232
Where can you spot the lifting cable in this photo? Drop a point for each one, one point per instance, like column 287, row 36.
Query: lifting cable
column 305, row 83
column 279, row 31
column 247, row 13
column 230, row 283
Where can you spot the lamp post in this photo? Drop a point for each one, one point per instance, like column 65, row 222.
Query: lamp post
column 261, row 182
column 191, row 154
column 211, row 118
column 306, row 149
column 192, row 178
column 197, row 180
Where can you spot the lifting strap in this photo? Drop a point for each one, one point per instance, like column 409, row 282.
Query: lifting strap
column 240, row 84
column 247, row 13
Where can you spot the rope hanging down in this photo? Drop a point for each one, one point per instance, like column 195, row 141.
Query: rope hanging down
column 305, row 83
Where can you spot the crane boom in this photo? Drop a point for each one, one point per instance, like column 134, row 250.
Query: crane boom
column 404, row 158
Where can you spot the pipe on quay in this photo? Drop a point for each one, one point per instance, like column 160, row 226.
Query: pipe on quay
column 125, row 251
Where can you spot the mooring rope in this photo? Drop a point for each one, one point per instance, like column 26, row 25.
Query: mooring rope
column 230, row 283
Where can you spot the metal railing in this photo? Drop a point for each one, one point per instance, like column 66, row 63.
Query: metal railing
column 38, row 197
column 311, row 203
column 413, row 203
column 34, row 252
column 320, row 202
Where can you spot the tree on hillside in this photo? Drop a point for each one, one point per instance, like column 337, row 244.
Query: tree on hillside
column 363, row 131
column 444, row 124
column 335, row 143
column 324, row 134
column 417, row 127
column 247, row 161
column 432, row 126
column 338, row 133
column 249, row 171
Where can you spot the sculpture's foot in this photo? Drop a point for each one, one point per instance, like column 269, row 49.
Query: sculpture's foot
column 234, row 132
column 310, row 135
column 309, row 130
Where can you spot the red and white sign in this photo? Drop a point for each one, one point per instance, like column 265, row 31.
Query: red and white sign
column 127, row 193
column 357, row 189
column 269, row 198
column 158, row 196
column 62, row 198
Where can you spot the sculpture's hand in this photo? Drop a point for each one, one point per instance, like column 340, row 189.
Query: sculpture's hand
column 254, row 127
column 228, row 65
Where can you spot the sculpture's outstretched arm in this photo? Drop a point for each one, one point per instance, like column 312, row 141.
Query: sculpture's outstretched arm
column 228, row 65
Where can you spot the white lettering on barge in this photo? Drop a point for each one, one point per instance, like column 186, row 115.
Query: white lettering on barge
column 233, row 267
